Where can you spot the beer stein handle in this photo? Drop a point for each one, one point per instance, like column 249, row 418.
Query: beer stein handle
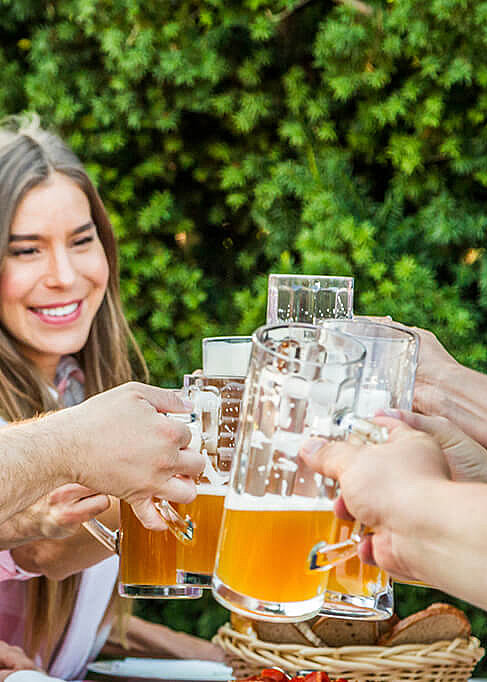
column 325, row 556
column 181, row 528
column 108, row 538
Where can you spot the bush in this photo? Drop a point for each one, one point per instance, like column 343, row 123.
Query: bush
column 233, row 139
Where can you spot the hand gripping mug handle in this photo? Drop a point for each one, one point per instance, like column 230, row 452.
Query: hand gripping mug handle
column 181, row 528
column 325, row 556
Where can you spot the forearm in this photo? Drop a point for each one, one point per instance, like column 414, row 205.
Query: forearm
column 34, row 462
column 446, row 545
column 158, row 641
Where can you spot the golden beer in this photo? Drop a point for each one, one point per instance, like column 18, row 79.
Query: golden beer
column 353, row 576
column 148, row 561
column 198, row 557
column 265, row 544
column 147, row 557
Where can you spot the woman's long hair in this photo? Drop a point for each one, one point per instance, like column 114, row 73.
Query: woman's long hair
column 28, row 156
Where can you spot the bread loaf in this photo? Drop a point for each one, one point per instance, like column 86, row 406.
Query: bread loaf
column 437, row 622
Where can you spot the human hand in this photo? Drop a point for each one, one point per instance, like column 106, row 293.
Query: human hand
column 54, row 516
column 13, row 658
column 467, row 460
column 385, row 487
column 121, row 443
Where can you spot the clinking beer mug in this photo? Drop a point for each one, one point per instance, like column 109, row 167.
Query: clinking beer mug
column 308, row 298
column 175, row 563
column 303, row 381
column 216, row 395
column 355, row 589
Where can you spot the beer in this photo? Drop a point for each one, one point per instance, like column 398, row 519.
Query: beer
column 147, row 557
column 265, row 544
column 148, row 561
column 195, row 560
column 353, row 576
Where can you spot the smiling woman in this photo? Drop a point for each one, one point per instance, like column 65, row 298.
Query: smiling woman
column 63, row 337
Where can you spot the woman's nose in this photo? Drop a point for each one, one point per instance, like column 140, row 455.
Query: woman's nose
column 61, row 272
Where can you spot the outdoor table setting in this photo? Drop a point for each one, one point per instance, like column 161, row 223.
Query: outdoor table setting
column 313, row 370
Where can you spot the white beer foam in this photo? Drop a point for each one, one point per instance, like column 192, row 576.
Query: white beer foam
column 208, row 489
column 271, row 502
column 226, row 357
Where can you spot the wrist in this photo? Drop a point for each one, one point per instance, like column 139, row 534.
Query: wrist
column 420, row 542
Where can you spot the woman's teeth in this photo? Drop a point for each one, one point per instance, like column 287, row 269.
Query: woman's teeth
column 59, row 311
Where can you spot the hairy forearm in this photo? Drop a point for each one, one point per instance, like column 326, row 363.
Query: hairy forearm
column 447, row 541
column 34, row 461
column 150, row 639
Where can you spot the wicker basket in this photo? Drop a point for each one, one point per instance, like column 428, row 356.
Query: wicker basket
column 448, row 661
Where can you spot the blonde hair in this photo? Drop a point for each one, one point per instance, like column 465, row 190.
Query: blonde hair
column 28, row 156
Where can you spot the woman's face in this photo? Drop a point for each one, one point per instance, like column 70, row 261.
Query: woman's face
column 55, row 275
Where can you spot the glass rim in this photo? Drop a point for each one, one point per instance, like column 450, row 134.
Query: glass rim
column 323, row 278
column 256, row 341
column 227, row 339
column 362, row 319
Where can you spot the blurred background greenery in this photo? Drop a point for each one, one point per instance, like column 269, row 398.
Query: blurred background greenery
column 233, row 139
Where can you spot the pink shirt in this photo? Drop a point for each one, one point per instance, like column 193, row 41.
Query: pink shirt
column 82, row 640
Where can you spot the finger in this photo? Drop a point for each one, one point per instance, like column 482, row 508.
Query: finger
column 366, row 550
column 163, row 399
column 340, row 509
column 178, row 432
column 70, row 493
column 85, row 509
column 189, row 463
column 329, row 458
column 180, row 489
column 148, row 515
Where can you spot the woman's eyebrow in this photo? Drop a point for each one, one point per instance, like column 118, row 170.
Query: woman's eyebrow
column 35, row 237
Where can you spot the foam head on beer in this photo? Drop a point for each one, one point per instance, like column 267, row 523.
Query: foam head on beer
column 226, row 356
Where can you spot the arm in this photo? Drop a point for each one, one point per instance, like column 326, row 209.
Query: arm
column 119, row 442
column 425, row 525
column 57, row 559
column 158, row 641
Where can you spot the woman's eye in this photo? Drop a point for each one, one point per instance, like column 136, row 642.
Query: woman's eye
column 85, row 240
column 23, row 252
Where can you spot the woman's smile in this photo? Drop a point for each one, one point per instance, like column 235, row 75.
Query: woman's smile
column 58, row 313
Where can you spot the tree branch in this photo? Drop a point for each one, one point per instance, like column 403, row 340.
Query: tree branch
column 357, row 5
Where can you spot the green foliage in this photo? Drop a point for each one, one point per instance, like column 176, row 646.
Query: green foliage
column 233, row 139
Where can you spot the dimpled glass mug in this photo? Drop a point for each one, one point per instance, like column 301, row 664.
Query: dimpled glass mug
column 308, row 298
column 176, row 563
column 355, row 589
column 216, row 396
column 303, row 381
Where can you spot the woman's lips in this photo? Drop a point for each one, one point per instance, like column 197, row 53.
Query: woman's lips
column 60, row 314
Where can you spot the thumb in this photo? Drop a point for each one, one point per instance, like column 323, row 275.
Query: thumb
column 164, row 400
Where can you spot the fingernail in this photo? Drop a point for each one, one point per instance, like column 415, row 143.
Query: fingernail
column 389, row 412
column 188, row 404
column 311, row 446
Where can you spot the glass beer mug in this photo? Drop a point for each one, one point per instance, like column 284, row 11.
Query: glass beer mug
column 355, row 589
column 216, row 396
column 148, row 557
column 303, row 381
column 308, row 298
